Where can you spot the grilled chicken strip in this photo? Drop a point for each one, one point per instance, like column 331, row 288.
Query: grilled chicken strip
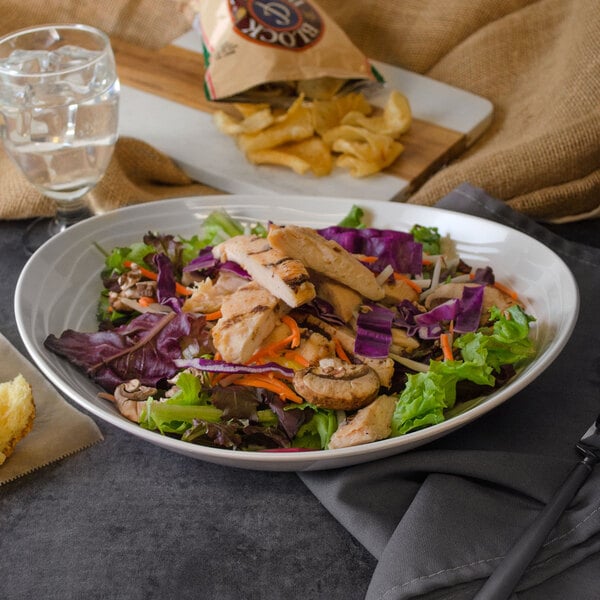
column 284, row 276
column 326, row 257
column 208, row 295
column 345, row 302
column 369, row 424
column 248, row 317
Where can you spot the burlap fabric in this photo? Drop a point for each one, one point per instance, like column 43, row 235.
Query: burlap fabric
column 538, row 61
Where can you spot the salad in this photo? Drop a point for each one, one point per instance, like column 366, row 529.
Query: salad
column 271, row 337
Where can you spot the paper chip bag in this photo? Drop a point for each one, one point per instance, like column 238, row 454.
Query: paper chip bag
column 274, row 50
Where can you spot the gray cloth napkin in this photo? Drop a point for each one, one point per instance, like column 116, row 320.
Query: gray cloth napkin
column 439, row 519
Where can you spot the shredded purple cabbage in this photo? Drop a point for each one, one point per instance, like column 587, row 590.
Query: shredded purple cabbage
column 374, row 332
column 395, row 248
column 484, row 276
column 233, row 267
column 406, row 312
column 322, row 309
column 221, row 366
column 464, row 311
column 471, row 303
column 430, row 322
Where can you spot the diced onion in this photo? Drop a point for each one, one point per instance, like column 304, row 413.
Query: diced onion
column 411, row 364
column 384, row 275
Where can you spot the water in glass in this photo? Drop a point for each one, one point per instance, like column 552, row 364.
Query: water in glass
column 60, row 117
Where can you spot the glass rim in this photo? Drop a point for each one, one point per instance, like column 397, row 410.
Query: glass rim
column 58, row 26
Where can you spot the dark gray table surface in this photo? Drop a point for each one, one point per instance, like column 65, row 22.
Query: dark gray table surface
column 127, row 519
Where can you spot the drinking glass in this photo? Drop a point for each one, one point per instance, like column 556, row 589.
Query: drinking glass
column 59, row 96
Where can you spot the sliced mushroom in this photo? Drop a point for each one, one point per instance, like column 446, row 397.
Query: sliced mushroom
column 130, row 398
column 337, row 385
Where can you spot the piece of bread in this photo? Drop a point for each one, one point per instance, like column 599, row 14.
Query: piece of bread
column 17, row 412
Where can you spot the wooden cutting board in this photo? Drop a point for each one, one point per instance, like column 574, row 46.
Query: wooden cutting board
column 165, row 86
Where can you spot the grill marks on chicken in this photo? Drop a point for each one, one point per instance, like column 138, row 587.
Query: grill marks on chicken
column 326, row 257
column 285, row 277
column 288, row 269
column 249, row 315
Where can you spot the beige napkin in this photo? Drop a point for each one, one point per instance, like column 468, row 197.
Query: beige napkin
column 59, row 430
column 536, row 60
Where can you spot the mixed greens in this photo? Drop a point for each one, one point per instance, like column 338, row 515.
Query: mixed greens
column 452, row 337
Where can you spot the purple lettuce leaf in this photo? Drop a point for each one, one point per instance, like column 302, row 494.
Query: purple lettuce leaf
column 205, row 261
column 206, row 264
column 236, row 435
column 165, row 282
column 236, row 402
column 144, row 349
column 290, row 419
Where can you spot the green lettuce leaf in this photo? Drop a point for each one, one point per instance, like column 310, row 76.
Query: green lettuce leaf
column 423, row 400
column 317, row 432
column 189, row 392
column 429, row 237
column 428, row 396
column 354, row 218
column 507, row 344
column 176, row 418
column 220, row 226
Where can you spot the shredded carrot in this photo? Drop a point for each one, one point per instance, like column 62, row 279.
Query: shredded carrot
column 408, row 281
column 292, row 340
column 340, row 351
column 272, row 384
column 216, row 378
column 226, row 379
column 426, row 262
column 505, row 289
column 180, row 289
column 446, row 344
column 146, row 301
column 213, row 316
column 366, row 259
column 271, row 349
column 296, row 357
column 291, row 323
